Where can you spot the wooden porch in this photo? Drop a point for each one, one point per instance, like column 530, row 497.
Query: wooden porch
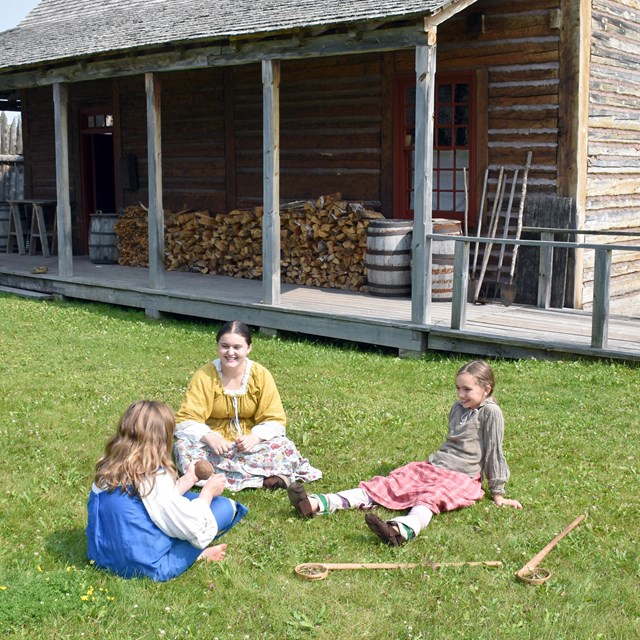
column 490, row 329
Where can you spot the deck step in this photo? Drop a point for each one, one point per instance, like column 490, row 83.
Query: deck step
column 25, row 293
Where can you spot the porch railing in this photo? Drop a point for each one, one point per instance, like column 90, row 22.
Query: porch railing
column 601, row 282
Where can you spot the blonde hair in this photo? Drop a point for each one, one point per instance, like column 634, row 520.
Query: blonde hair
column 481, row 372
column 141, row 446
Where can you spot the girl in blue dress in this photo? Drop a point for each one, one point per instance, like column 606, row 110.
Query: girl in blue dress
column 142, row 521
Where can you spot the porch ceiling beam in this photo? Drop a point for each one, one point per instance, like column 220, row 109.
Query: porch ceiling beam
column 223, row 54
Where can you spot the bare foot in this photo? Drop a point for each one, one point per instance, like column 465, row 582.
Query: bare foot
column 214, row 554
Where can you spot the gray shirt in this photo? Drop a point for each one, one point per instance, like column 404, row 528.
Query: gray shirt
column 474, row 444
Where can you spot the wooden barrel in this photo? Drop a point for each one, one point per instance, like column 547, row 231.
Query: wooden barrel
column 442, row 252
column 102, row 238
column 388, row 257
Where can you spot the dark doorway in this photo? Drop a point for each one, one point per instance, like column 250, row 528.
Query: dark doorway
column 98, row 171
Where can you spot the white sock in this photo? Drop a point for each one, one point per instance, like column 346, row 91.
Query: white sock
column 417, row 519
column 349, row 499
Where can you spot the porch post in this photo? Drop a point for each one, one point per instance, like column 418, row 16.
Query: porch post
column 271, row 182
column 421, row 278
column 154, row 156
column 573, row 124
column 65, row 246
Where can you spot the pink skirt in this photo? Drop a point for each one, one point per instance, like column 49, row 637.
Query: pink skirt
column 421, row 483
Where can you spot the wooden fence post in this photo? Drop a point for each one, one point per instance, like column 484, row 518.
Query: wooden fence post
column 545, row 271
column 460, row 285
column 601, row 286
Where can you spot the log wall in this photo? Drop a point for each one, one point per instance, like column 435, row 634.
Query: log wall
column 193, row 139
column 519, row 51
column 39, row 145
column 330, row 133
column 613, row 186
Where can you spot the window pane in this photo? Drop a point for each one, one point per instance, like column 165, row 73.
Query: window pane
column 461, row 93
column 444, row 114
column 444, row 93
column 91, row 121
column 109, row 121
column 446, row 180
column 462, row 115
column 462, row 158
column 460, row 201
column 444, row 137
column 446, row 201
column 462, row 137
column 445, row 159
column 99, row 121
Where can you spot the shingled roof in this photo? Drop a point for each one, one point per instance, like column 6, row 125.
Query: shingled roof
column 58, row 30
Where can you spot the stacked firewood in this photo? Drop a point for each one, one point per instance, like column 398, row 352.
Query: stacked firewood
column 132, row 237
column 323, row 242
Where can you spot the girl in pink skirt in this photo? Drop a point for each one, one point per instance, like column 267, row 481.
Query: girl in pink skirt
column 449, row 479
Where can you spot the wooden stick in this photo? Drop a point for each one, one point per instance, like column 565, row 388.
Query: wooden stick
column 484, row 195
column 497, row 203
column 541, row 554
column 523, row 195
column 505, row 231
column 466, row 202
column 407, row 565
column 320, row 570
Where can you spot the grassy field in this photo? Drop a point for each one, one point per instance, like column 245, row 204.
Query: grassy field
column 68, row 371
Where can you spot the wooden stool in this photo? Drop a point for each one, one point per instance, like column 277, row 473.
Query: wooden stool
column 40, row 232
column 16, row 230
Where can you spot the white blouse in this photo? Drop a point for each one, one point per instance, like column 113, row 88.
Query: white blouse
column 176, row 515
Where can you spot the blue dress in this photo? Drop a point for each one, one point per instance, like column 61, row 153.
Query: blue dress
column 123, row 539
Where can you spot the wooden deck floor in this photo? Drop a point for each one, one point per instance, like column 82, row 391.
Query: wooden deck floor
column 492, row 329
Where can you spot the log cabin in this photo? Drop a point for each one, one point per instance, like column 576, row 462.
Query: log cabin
column 410, row 108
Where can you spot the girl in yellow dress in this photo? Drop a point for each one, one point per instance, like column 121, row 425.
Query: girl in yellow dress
column 232, row 415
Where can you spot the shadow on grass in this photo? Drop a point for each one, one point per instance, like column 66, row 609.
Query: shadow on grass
column 68, row 545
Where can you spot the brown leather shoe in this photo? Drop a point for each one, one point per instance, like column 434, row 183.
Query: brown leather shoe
column 276, row 482
column 298, row 498
column 387, row 531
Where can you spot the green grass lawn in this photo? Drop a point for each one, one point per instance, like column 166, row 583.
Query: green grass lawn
column 68, row 371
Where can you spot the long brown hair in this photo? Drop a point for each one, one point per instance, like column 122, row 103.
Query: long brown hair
column 141, row 446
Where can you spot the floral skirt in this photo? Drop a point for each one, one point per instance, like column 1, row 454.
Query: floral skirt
column 248, row 469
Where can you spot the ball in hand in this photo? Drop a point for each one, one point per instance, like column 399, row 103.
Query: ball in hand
column 203, row 469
